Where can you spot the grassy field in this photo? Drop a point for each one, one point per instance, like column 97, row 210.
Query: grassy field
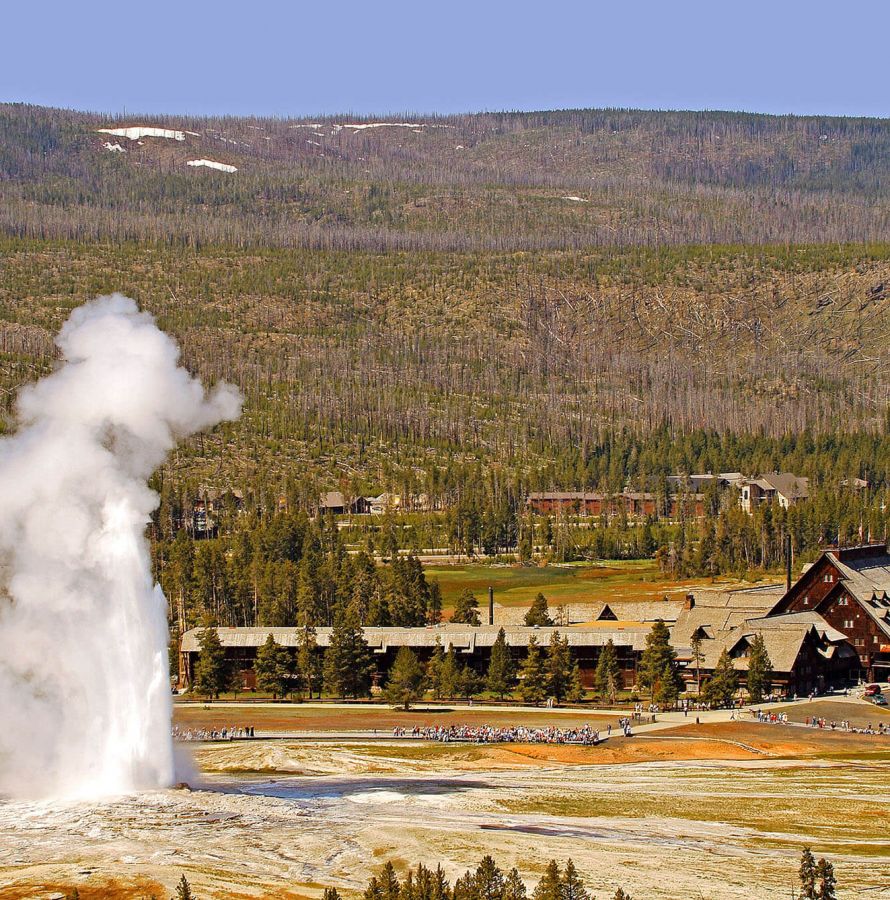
column 637, row 579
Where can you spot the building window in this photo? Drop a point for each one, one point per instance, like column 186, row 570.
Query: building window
column 848, row 623
column 806, row 599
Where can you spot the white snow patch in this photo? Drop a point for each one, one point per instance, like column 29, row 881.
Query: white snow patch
column 362, row 126
column 314, row 143
column 460, row 147
column 576, row 199
column 114, row 148
column 135, row 132
column 212, row 164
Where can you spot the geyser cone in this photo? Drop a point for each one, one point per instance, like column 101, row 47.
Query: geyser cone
column 84, row 678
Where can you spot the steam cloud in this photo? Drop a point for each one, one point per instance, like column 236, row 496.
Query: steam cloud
column 84, row 681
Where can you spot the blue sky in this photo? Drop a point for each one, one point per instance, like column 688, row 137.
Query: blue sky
column 300, row 58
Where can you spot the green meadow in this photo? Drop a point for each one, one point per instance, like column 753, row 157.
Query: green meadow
column 517, row 585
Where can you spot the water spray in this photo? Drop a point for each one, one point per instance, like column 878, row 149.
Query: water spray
column 85, row 701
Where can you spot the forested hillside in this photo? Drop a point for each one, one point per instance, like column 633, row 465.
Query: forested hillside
column 478, row 305
column 379, row 367
column 506, row 181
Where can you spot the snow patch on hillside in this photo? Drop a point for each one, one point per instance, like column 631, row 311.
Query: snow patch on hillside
column 416, row 127
column 576, row 199
column 114, row 148
column 135, row 132
column 212, row 164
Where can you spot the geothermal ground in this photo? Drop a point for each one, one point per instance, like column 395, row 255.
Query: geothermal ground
column 719, row 810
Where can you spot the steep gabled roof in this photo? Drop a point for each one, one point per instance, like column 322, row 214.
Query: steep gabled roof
column 865, row 573
column 787, row 484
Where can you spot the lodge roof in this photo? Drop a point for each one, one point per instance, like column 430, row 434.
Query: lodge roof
column 783, row 637
column 789, row 485
column 332, row 500
column 640, row 610
column 464, row 638
column 865, row 573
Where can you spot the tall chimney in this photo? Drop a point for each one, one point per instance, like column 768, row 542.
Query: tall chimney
column 490, row 605
column 787, row 563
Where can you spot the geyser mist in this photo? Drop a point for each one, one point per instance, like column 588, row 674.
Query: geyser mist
column 84, row 680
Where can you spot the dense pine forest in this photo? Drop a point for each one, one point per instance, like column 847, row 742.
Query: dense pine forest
column 469, row 308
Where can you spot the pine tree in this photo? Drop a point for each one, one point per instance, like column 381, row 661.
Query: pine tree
column 825, row 880
column 538, row 613
column 760, row 670
column 720, row 689
column 308, row 661
column 533, row 674
column 667, row 690
column 620, row 895
column 434, row 670
column 559, row 667
column 272, row 668
column 465, row 887
column 489, row 880
column 550, row 886
column 330, row 893
column 389, row 883
column 697, row 657
column 514, row 887
column 576, row 691
column 608, row 672
column 499, row 679
column 469, row 683
column 439, row 889
column 434, row 605
column 184, row 890
column 451, row 675
column 407, row 680
column 212, row 672
column 572, row 888
column 807, row 875
column 466, row 610
column 347, row 661
column 373, row 891
column 657, row 655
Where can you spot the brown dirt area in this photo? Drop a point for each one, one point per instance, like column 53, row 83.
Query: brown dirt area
column 783, row 740
column 111, row 889
column 364, row 718
column 859, row 714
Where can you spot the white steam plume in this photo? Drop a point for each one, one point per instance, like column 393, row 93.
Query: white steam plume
column 84, row 687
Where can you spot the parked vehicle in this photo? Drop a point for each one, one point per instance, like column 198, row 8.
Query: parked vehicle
column 871, row 690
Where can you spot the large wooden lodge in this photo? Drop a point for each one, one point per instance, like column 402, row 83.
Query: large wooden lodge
column 832, row 627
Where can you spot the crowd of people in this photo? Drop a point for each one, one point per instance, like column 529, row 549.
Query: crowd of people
column 510, row 734
column 845, row 725
column 235, row 733
column 821, row 722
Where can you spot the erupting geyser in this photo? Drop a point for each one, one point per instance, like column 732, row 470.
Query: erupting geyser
column 84, row 680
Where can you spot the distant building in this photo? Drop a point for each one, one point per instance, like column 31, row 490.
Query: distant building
column 700, row 483
column 386, row 502
column 206, row 508
column 332, row 502
column 783, row 488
